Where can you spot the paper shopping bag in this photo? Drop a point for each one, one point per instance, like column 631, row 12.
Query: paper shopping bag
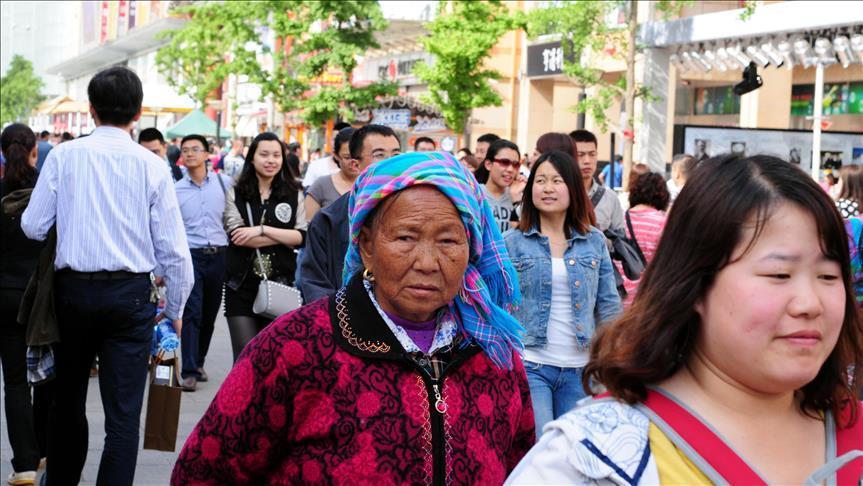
column 163, row 405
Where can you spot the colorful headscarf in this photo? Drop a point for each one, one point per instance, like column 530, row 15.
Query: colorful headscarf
column 490, row 284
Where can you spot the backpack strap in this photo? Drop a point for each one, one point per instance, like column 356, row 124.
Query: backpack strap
column 849, row 439
column 597, row 196
column 714, row 458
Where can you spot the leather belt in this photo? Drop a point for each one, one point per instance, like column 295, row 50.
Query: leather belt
column 102, row 275
column 209, row 250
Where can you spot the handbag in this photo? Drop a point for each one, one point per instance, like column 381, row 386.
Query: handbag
column 273, row 299
column 627, row 253
column 163, row 404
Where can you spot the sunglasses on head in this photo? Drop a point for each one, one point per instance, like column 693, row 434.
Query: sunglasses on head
column 507, row 162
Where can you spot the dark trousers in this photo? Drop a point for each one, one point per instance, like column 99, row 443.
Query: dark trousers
column 114, row 320
column 201, row 310
column 18, row 402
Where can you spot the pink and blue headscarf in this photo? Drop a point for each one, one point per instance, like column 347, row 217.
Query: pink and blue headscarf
column 490, row 285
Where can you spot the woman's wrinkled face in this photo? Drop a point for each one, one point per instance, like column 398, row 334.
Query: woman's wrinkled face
column 417, row 249
column 773, row 316
column 268, row 158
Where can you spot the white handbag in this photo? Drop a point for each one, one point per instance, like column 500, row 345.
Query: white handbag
column 273, row 298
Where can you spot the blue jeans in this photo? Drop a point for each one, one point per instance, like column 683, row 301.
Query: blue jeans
column 114, row 320
column 201, row 310
column 553, row 391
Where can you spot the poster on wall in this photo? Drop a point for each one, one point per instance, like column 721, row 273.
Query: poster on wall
column 795, row 146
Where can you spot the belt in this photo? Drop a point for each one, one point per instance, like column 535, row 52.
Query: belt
column 209, row 250
column 101, row 275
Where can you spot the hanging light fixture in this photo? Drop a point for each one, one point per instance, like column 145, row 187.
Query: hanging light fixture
column 770, row 51
column 757, row 55
column 711, row 57
column 723, row 57
column 805, row 55
column 785, row 50
column 700, row 61
column 824, row 50
column 843, row 50
column 677, row 62
column 736, row 53
column 857, row 46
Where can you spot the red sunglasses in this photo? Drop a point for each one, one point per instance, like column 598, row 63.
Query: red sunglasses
column 507, row 162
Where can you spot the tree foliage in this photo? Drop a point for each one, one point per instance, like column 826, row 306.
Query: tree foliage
column 285, row 47
column 460, row 39
column 20, row 91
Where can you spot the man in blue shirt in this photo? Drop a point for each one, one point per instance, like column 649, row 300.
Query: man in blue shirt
column 605, row 175
column 44, row 148
column 117, row 220
column 201, row 194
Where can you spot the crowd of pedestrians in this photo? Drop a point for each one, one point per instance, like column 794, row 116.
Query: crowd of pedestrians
column 468, row 318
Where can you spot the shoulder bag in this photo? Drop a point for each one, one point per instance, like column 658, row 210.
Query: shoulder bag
column 273, row 298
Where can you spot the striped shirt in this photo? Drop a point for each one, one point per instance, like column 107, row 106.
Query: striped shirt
column 648, row 225
column 202, row 208
column 115, row 208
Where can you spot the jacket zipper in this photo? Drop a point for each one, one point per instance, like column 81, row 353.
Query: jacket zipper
column 437, row 409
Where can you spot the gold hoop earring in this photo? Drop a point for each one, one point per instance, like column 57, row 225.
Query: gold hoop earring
column 368, row 276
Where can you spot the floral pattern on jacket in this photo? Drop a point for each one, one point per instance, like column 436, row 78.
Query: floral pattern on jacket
column 318, row 400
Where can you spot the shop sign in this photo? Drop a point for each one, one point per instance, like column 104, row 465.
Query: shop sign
column 544, row 59
column 396, row 119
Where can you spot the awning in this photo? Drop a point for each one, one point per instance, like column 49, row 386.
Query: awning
column 71, row 106
column 196, row 122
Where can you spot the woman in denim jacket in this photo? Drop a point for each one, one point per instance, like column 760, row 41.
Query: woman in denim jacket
column 566, row 280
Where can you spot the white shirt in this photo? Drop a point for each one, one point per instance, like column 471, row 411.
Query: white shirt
column 561, row 347
column 319, row 168
column 115, row 208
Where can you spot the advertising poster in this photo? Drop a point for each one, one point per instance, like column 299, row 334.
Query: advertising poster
column 794, row 146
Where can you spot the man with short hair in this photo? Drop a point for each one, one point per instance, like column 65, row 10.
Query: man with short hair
column 606, row 206
column 482, row 144
column 44, row 146
column 424, row 144
column 327, row 238
column 681, row 166
column 201, row 195
column 233, row 163
column 324, row 166
column 117, row 219
column 152, row 140
column 605, row 175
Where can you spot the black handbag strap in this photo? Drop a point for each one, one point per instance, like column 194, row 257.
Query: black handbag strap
column 632, row 236
column 597, row 196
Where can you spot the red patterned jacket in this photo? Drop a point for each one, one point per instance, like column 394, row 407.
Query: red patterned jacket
column 327, row 395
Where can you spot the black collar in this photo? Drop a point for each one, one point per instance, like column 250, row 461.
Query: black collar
column 358, row 327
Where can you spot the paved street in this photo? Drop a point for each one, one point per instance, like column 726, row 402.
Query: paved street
column 154, row 467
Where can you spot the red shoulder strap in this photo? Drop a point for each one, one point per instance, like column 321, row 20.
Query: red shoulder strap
column 849, row 439
column 699, row 437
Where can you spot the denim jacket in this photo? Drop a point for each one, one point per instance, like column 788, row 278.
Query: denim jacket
column 591, row 280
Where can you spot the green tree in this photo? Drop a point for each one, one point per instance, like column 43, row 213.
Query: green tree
column 312, row 39
column 20, row 91
column 584, row 30
column 460, row 39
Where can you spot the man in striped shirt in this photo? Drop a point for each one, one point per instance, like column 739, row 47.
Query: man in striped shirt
column 117, row 219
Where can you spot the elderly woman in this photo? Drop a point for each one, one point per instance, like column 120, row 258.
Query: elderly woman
column 741, row 357
column 409, row 374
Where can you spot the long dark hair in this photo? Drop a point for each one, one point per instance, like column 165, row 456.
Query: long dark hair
column 481, row 173
column 283, row 184
column 17, row 142
column 655, row 337
column 579, row 216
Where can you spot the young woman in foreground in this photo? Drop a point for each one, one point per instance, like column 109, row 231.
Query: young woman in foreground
column 741, row 357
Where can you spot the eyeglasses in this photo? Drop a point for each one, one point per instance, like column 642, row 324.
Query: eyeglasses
column 507, row 162
column 192, row 150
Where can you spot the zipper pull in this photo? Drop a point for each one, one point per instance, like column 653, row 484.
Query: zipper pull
column 439, row 404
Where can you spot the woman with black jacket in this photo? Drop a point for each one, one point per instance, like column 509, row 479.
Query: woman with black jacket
column 18, row 258
column 268, row 188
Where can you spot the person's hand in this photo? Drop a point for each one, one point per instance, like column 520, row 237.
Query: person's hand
column 159, row 281
column 178, row 327
column 241, row 236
